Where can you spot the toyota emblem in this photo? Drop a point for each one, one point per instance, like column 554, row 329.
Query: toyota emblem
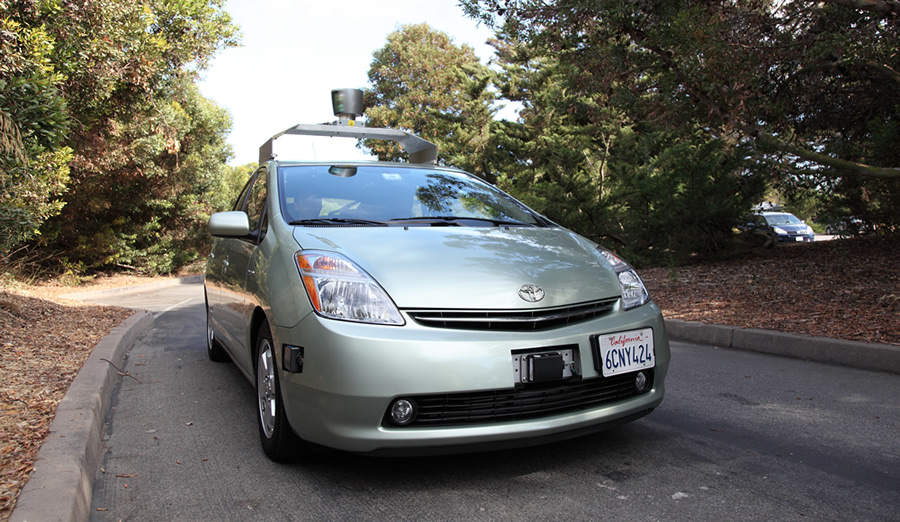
column 531, row 293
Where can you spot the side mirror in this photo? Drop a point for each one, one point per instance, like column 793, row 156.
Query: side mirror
column 229, row 224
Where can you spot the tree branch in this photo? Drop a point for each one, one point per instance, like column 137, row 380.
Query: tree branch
column 754, row 131
column 824, row 159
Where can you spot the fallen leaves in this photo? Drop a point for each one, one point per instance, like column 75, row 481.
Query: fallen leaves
column 845, row 289
column 43, row 344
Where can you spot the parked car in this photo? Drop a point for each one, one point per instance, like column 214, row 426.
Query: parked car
column 780, row 226
column 847, row 227
column 410, row 308
column 788, row 227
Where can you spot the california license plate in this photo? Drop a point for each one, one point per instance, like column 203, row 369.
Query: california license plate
column 624, row 352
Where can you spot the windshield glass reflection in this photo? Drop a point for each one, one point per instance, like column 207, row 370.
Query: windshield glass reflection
column 323, row 194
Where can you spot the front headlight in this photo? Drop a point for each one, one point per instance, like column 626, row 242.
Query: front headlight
column 339, row 289
column 634, row 293
column 780, row 231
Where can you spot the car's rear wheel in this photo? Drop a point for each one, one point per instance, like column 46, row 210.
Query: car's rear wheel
column 278, row 439
column 214, row 349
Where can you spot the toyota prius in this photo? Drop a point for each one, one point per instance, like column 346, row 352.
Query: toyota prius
column 407, row 308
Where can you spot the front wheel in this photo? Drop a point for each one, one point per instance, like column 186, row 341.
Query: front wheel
column 278, row 439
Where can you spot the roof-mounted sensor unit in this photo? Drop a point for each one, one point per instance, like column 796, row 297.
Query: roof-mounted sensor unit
column 347, row 105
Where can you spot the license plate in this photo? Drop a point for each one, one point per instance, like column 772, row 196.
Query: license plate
column 624, row 352
column 798, row 238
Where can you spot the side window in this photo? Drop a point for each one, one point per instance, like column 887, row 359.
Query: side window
column 255, row 205
column 243, row 195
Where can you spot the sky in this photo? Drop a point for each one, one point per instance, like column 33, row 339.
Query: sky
column 294, row 52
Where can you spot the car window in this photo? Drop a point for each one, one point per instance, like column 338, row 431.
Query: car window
column 239, row 202
column 782, row 219
column 386, row 193
column 256, row 204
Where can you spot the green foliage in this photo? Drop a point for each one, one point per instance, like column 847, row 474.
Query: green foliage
column 229, row 186
column 33, row 123
column 425, row 84
column 109, row 150
column 657, row 195
column 808, row 92
column 151, row 185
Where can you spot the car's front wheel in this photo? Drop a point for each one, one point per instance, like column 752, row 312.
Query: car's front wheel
column 278, row 439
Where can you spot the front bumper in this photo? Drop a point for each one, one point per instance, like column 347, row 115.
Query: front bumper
column 792, row 237
column 352, row 372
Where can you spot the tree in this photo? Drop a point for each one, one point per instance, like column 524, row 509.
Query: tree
column 727, row 64
column 144, row 196
column 140, row 147
column 656, row 195
column 809, row 88
column 33, row 120
column 423, row 83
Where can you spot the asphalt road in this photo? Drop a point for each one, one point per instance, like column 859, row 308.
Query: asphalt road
column 740, row 436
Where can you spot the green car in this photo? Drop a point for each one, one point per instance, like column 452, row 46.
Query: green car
column 405, row 308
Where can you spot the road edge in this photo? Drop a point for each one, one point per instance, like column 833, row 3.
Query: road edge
column 105, row 292
column 854, row 354
column 62, row 483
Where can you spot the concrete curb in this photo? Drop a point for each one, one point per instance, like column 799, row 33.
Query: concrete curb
column 865, row 356
column 61, row 485
column 92, row 294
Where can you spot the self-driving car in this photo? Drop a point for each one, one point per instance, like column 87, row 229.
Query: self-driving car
column 411, row 308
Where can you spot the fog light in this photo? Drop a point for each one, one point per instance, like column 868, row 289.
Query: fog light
column 640, row 382
column 403, row 412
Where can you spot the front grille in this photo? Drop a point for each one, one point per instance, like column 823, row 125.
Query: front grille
column 478, row 408
column 513, row 319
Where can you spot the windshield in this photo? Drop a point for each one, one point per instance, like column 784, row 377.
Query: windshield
column 782, row 219
column 322, row 194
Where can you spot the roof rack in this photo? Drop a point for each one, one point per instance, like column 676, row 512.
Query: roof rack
column 347, row 105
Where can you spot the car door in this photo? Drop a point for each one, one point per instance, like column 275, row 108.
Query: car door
column 216, row 264
column 234, row 305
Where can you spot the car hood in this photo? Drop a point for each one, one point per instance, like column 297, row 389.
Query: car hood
column 472, row 267
column 792, row 228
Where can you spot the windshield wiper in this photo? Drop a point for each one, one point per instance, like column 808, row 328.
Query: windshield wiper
column 338, row 221
column 451, row 220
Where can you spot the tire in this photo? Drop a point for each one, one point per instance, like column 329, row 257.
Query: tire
column 214, row 349
column 278, row 439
